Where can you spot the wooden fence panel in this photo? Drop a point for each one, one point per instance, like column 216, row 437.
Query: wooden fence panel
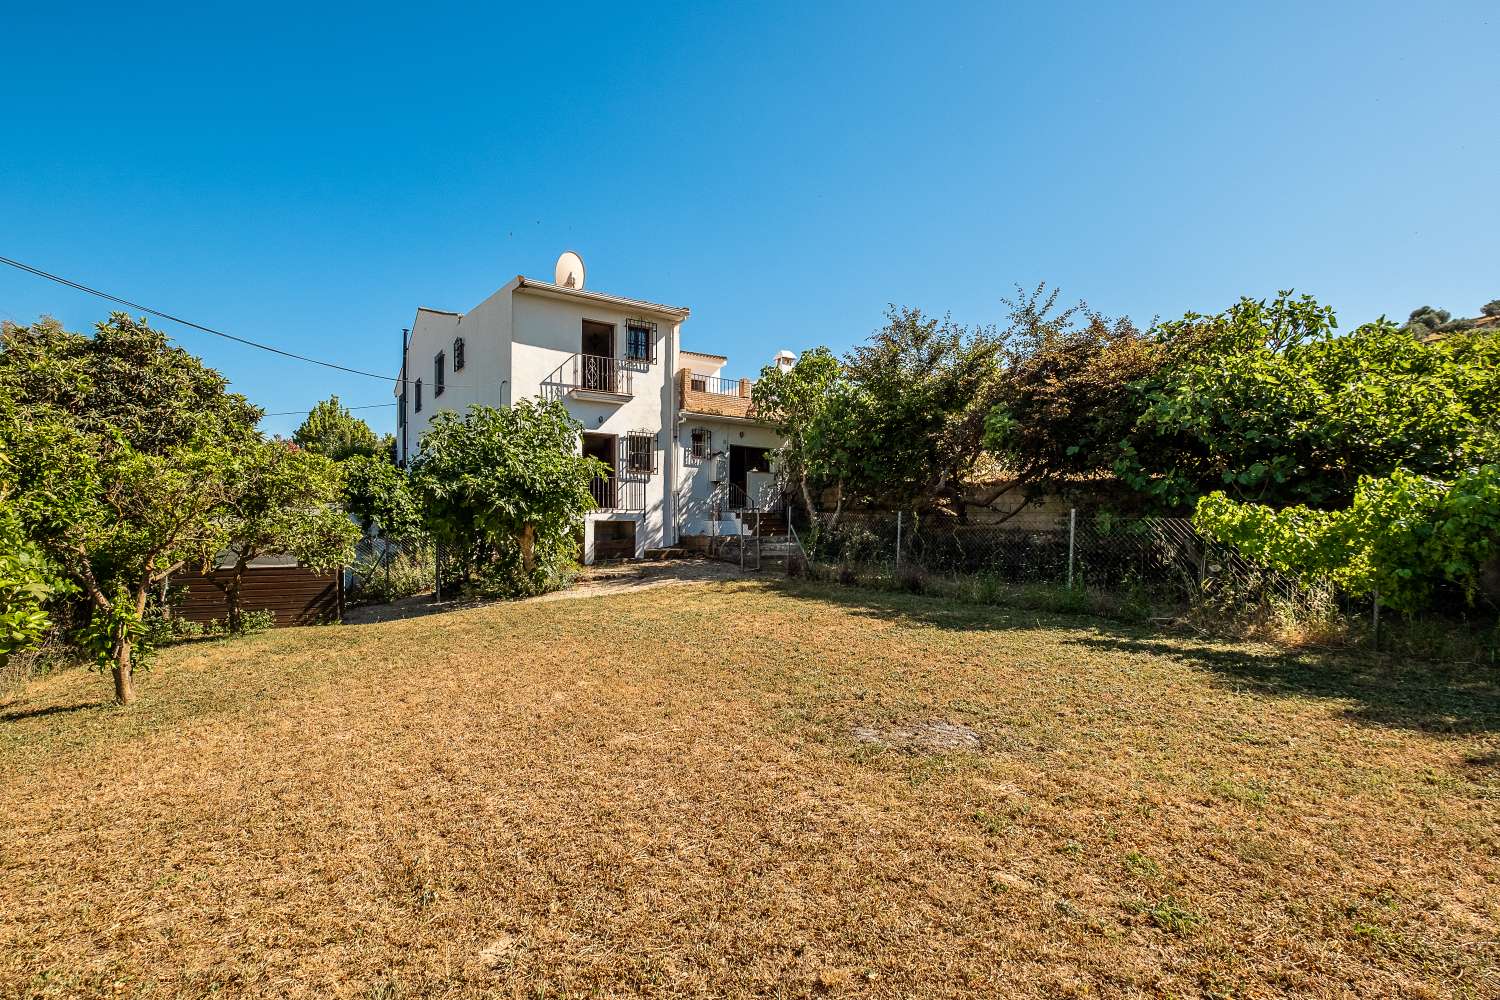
column 296, row 594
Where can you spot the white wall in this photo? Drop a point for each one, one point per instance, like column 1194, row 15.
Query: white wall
column 487, row 361
column 547, row 333
column 695, row 484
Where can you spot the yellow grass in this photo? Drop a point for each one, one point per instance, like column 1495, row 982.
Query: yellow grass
column 660, row 792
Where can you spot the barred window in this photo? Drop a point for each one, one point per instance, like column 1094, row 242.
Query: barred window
column 640, row 340
column 401, row 410
column 458, row 354
column 639, row 454
column 437, row 375
column 702, row 445
column 416, row 405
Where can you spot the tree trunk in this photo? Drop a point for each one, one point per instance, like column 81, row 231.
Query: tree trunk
column 232, row 593
column 528, row 547
column 124, row 685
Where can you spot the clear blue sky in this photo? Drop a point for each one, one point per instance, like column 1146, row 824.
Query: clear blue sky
column 309, row 178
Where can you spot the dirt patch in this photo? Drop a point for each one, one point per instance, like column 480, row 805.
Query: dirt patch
column 926, row 737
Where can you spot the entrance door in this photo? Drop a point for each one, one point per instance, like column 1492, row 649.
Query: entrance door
column 602, row 447
column 597, row 346
column 744, row 463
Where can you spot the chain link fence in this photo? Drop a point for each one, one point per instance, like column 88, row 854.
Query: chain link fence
column 388, row 569
column 1071, row 548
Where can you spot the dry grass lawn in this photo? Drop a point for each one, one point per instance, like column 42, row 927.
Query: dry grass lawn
column 661, row 792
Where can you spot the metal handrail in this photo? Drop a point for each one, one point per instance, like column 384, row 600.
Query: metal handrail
column 615, row 493
column 714, row 385
column 594, row 373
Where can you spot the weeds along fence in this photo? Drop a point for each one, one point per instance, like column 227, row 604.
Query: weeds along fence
column 1074, row 549
column 388, row 569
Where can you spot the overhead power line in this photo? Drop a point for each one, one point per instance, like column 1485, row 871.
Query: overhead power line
column 159, row 314
column 293, row 413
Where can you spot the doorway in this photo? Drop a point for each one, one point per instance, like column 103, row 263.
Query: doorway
column 602, row 447
column 598, row 349
column 748, row 467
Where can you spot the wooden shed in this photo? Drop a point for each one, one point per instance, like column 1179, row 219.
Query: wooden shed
column 297, row 595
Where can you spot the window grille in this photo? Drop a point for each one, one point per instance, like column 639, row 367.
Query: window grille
column 417, row 400
column 702, row 444
column 640, row 340
column 638, row 454
column 458, row 354
column 437, row 375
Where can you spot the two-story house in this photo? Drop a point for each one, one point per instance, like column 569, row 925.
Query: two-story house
column 684, row 448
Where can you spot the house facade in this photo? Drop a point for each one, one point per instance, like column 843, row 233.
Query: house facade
column 684, row 447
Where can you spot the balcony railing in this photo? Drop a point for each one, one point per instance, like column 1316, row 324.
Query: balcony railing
column 594, row 373
column 717, row 396
column 611, row 493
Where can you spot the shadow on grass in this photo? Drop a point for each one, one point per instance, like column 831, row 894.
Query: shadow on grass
column 17, row 714
column 1381, row 690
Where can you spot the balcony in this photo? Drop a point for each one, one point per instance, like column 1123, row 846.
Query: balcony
column 713, row 396
column 613, row 493
column 590, row 376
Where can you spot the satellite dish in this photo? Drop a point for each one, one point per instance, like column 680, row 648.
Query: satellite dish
column 569, row 270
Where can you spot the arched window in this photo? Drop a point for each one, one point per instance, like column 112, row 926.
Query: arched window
column 458, row 354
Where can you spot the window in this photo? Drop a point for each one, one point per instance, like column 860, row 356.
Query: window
column 416, row 405
column 401, row 410
column 437, row 375
column 638, row 454
column 640, row 340
column 699, row 383
column 458, row 354
column 702, row 445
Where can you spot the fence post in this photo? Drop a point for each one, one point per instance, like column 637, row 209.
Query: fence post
column 898, row 539
column 1375, row 622
column 1072, row 534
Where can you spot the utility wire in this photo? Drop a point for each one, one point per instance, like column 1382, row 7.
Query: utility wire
column 293, row 413
column 198, row 326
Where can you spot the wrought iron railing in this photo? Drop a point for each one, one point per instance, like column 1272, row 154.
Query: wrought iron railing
column 612, row 493
column 720, row 386
column 731, row 499
column 594, row 373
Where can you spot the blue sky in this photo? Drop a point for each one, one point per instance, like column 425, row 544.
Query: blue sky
column 308, row 176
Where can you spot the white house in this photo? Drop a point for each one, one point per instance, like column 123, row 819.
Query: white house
column 687, row 454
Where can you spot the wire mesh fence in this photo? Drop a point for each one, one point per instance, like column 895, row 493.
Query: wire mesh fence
column 1076, row 549
column 388, row 569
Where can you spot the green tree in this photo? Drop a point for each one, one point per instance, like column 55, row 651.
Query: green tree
column 803, row 404
column 920, row 391
column 27, row 580
column 331, row 430
column 283, row 499
column 1067, row 400
column 380, row 495
column 124, row 453
column 505, row 490
column 1265, row 403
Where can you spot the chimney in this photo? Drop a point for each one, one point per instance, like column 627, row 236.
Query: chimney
column 785, row 360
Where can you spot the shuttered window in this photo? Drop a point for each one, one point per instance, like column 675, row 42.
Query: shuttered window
column 437, row 375
column 416, row 404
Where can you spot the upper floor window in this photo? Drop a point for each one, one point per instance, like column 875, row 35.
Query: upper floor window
column 640, row 340
column 416, row 401
column 458, row 354
column 639, row 454
column 437, row 375
column 702, row 444
column 401, row 410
